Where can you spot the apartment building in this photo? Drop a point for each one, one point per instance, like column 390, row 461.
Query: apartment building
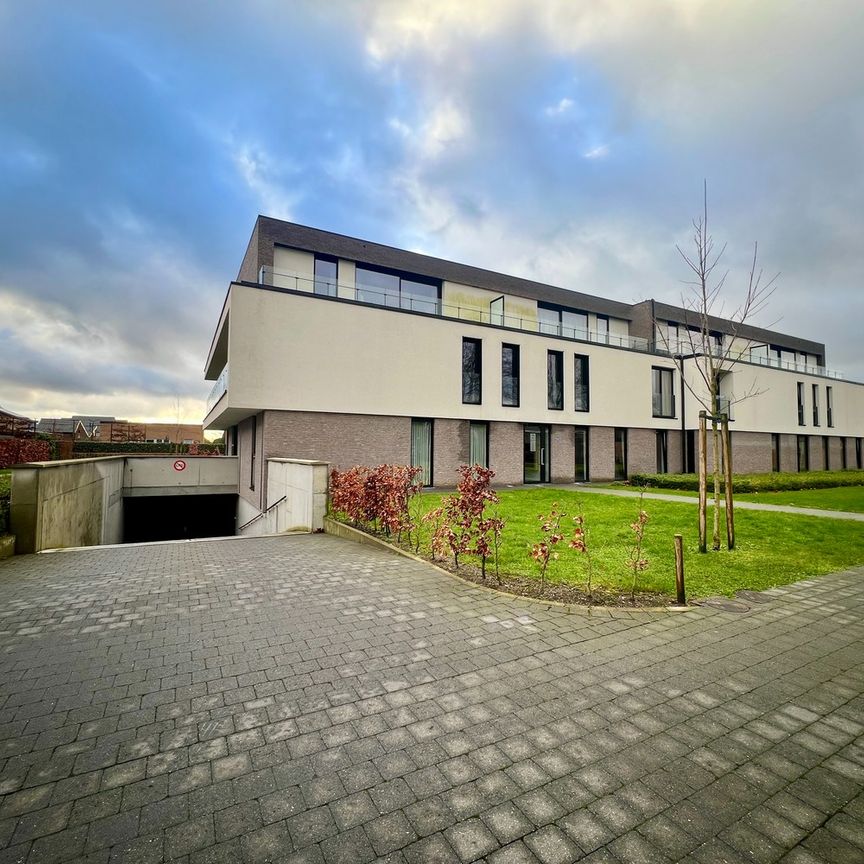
column 339, row 349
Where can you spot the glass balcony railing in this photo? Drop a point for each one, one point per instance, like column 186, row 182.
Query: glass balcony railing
column 431, row 306
column 219, row 388
column 495, row 316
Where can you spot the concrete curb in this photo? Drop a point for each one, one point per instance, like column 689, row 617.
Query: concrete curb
column 347, row 532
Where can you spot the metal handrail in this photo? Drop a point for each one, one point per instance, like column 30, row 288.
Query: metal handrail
column 262, row 513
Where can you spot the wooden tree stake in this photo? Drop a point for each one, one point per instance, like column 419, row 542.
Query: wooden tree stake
column 727, row 471
column 703, row 478
column 679, row 570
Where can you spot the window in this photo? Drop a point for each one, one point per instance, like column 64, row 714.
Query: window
column 252, row 456
column 829, row 405
column 574, row 324
column 775, row 452
column 662, row 451
column 859, row 456
column 581, row 454
column 663, row 392
column 549, row 320
column 803, row 454
column 326, row 270
column 472, row 372
column 826, row 452
column 510, row 375
column 620, row 454
column 602, row 329
column 555, row 380
column 398, row 290
column 421, row 449
column 759, row 354
column 844, row 458
column 815, row 404
column 478, row 444
column 800, row 404
column 672, row 338
column 580, row 383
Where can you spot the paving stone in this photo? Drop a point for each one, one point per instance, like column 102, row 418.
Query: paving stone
column 389, row 833
column 552, row 846
column 266, row 845
column 471, row 840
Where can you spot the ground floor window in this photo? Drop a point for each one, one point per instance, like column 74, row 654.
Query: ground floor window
column 662, row 451
column 535, row 454
column 581, row 454
column 858, row 454
column 803, row 454
column 421, row 449
column 478, row 444
column 843, row 456
column 775, row 452
column 826, row 452
column 620, row 454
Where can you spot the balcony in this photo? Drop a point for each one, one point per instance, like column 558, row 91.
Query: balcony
column 218, row 390
column 428, row 306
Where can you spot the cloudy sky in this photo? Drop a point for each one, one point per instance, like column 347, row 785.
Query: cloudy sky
column 565, row 141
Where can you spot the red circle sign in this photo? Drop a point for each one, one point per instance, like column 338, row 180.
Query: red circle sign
column 179, row 465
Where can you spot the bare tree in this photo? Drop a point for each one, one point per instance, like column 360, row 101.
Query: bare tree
column 713, row 358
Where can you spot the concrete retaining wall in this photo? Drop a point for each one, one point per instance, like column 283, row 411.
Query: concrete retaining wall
column 61, row 504
column 302, row 484
column 180, row 475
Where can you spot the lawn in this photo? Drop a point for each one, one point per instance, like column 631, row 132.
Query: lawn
column 848, row 498
column 772, row 548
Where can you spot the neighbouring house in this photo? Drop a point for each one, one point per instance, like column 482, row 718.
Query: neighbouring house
column 343, row 350
column 15, row 425
column 62, row 428
column 122, row 431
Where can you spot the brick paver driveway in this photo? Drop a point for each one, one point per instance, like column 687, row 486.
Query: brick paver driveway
column 306, row 699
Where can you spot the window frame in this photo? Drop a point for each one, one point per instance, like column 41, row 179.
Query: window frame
column 485, row 425
column 657, row 394
column 620, row 432
column 803, row 453
column 586, row 451
column 402, row 276
column 802, row 408
column 829, row 405
column 515, row 367
column 557, row 358
column 582, row 379
column 478, row 371
column 815, row 395
column 324, row 280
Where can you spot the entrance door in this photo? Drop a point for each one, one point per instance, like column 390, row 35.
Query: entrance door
column 536, row 454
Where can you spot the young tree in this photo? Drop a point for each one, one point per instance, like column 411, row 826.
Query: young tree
column 713, row 359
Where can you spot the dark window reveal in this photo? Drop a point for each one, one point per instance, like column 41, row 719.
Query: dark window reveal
column 555, row 380
column 472, row 371
column 510, row 375
column 580, row 383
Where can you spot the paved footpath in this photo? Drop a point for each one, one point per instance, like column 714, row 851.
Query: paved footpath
column 306, row 699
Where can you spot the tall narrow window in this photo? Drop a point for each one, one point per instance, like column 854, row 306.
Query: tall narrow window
column 620, row 454
column 472, row 371
column 510, row 375
column 253, row 452
column 826, row 452
column 844, row 458
column 859, row 456
column 662, row 451
column 662, row 392
column 555, row 380
column 775, row 452
column 803, row 454
column 421, row 449
column 580, row 383
column 800, row 405
column 581, row 454
column 326, row 270
column 815, row 404
column 829, row 405
column 478, row 444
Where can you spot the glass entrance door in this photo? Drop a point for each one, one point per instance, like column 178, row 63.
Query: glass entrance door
column 536, row 454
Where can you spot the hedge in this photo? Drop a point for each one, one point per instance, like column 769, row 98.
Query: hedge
column 16, row 450
column 5, row 494
column 125, row 447
column 777, row 482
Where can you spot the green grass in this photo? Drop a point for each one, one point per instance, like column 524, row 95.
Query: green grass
column 772, row 548
column 768, row 482
column 847, row 498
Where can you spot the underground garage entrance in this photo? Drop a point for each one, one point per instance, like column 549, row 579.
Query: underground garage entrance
column 151, row 518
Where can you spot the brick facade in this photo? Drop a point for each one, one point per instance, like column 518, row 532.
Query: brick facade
column 505, row 453
column 641, row 451
column 601, row 453
column 449, row 450
column 563, row 446
column 751, row 452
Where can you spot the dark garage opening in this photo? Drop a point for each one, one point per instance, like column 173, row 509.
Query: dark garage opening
column 177, row 517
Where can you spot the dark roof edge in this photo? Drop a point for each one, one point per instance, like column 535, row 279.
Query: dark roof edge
column 664, row 311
